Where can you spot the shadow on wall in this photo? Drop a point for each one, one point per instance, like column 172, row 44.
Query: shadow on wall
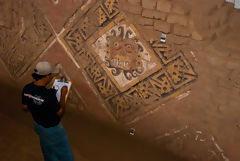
column 91, row 138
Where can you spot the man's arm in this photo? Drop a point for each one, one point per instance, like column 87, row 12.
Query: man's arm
column 62, row 101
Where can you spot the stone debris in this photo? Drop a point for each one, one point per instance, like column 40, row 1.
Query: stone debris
column 55, row 1
column 224, row 157
column 216, row 153
column 181, row 96
column 167, row 134
column 22, row 26
column 172, row 132
column 213, row 153
column 199, row 132
column 196, row 137
column 219, row 149
column 194, row 56
column 180, row 130
column 202, row 140
column 196, row 36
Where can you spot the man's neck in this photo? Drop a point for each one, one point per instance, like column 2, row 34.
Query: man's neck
column 40, row 83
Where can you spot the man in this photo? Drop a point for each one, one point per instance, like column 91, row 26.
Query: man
column 47, row 112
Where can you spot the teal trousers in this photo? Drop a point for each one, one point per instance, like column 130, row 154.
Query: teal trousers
column 54, row 143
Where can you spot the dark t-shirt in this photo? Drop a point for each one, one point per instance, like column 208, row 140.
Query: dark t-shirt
column 42, row 103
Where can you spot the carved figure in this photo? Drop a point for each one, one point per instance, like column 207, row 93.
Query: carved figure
column 124, row 54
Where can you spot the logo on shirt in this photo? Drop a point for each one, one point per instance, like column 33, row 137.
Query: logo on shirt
column 36, row 99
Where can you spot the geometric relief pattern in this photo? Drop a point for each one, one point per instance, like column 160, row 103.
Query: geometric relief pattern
column 74, row 40
column 41, row 27
column 103, row 84
column 126, row 103
column 128, row 73
column 107, row 10
column 162, row 84
column 178, row 68
column 79, row 33
column 84, row 56
column 175, row 73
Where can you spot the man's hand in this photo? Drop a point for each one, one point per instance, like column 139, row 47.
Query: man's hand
column 64, row 91
column 62, row 101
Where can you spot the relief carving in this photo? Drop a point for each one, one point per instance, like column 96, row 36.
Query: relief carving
column 74, row 40
column 107, row 11
column 79, row 33
column 27, row 40
column 42, row 28
column 127, row 72
column 161, row 83
column 94, row 72
column 111, row 7
column 126, row 104
column 123, row 54
column 102, row 17
column 106, row 88
column 83, row 57
column 181, row 71
column 102, row 83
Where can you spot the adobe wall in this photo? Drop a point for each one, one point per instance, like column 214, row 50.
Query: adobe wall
column 161, row 16
column 183, row 93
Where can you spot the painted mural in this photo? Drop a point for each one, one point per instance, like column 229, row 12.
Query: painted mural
column 129, row 73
